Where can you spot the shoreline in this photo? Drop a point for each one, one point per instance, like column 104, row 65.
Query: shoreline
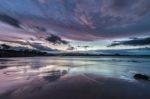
column 99, row 56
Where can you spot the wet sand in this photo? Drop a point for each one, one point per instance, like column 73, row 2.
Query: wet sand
column 73, row 78
column 85, row 86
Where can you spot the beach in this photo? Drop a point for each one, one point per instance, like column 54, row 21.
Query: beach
column 73, row 78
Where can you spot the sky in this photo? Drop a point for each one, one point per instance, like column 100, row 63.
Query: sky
column 75, row 24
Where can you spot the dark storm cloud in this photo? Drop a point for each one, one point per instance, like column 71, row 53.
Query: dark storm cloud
column 9, row 20
column 84, row 20
column 56, row 39
column 132, row 42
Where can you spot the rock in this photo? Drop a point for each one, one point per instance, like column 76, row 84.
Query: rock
column 141, row 77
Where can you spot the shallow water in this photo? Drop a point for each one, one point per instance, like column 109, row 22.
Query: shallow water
column 41, row 71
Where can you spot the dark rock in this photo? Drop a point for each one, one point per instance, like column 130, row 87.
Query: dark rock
column 141, row 77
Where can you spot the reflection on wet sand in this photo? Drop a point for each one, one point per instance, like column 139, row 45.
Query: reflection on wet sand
column 80, row 87
column 55, row 75
column 73, row 78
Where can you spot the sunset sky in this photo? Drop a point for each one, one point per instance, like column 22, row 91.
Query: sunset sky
column 75, row 24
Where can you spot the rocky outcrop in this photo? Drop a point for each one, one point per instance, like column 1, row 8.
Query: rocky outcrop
column 141, row 77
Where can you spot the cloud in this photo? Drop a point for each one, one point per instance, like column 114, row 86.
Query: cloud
column 127, row 9
column 132, row 42
column 88, row 20
column 40, row 47
column 71, row 48
column 9, row 20
column 84, row 20
column 56, row 40
column 41, row 29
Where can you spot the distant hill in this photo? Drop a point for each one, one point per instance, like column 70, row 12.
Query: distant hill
column 8, row 51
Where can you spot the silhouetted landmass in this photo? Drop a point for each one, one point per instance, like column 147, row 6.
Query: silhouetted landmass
column 32, row 53
column 21, row 53
column 99, row 55
column 7, row 51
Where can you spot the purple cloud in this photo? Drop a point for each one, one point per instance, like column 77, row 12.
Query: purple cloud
column 84, row 20
column 132, row 42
